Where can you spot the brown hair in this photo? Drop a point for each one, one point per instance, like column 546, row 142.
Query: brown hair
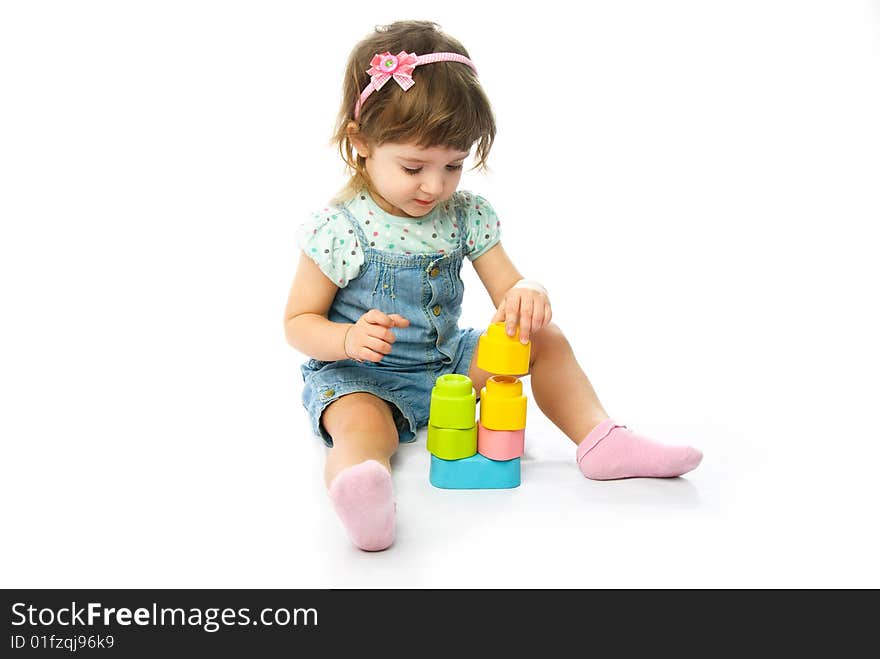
column 446, row 107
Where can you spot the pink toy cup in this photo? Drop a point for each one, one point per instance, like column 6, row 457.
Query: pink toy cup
column 500, row 444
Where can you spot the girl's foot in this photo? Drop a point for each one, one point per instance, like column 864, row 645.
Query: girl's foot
column 613, row 451
column 363, row 499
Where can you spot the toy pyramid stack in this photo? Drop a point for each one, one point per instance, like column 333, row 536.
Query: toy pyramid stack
column 467, row 454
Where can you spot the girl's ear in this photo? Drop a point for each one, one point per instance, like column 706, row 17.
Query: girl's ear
column 351, row 129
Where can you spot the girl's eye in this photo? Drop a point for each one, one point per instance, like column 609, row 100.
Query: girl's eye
column 413, row 172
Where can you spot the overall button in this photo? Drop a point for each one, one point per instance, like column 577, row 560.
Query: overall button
column 436, row 310
column 329, row 393
column 435, row 272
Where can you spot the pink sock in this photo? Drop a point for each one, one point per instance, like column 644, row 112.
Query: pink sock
column 612, row 451
column 364, row 501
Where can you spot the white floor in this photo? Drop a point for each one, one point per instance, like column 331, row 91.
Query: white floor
column 237, row 501
column 756, row 513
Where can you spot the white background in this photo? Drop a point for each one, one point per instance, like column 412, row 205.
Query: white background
column 696, row 184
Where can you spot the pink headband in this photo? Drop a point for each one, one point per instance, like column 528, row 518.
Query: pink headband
column 386, row 66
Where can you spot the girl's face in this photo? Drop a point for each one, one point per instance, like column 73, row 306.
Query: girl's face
column 406, row 175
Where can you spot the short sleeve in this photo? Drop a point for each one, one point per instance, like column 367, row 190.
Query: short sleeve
column 331, row 241
column 483, row 225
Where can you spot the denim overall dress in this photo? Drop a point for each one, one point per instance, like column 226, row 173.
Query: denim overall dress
column 427, row 290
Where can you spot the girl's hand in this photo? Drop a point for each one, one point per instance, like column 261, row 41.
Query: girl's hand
column 528, row 308
column 370, row 338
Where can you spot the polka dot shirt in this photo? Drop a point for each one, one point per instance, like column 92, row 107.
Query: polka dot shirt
column 332, row 242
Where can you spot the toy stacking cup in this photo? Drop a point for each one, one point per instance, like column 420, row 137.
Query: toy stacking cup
column 452, row 425
column 502, row 354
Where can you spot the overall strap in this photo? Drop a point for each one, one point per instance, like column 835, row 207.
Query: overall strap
column 462, row 235
column 359, row 230
column 463, row 229
column 361, row 237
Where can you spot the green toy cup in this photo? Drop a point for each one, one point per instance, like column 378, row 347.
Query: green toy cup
column 453, row 402
column 452, row 443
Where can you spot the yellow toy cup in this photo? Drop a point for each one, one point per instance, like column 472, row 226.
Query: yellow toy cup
column 502, row 354
column 502, row 404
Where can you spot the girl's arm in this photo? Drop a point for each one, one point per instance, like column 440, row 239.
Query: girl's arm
column 305, row 318
column 497, row 273
column 524, row 307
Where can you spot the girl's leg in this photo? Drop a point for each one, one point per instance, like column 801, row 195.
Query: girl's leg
column 358, row 467
column 606, row 450
column 362, row 429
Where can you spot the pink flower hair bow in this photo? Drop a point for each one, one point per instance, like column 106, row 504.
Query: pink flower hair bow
column 385, row 66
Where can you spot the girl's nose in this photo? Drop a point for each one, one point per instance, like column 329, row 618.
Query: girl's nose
column 432, row 185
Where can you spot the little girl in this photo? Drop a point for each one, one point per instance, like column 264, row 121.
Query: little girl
column 377, row 295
